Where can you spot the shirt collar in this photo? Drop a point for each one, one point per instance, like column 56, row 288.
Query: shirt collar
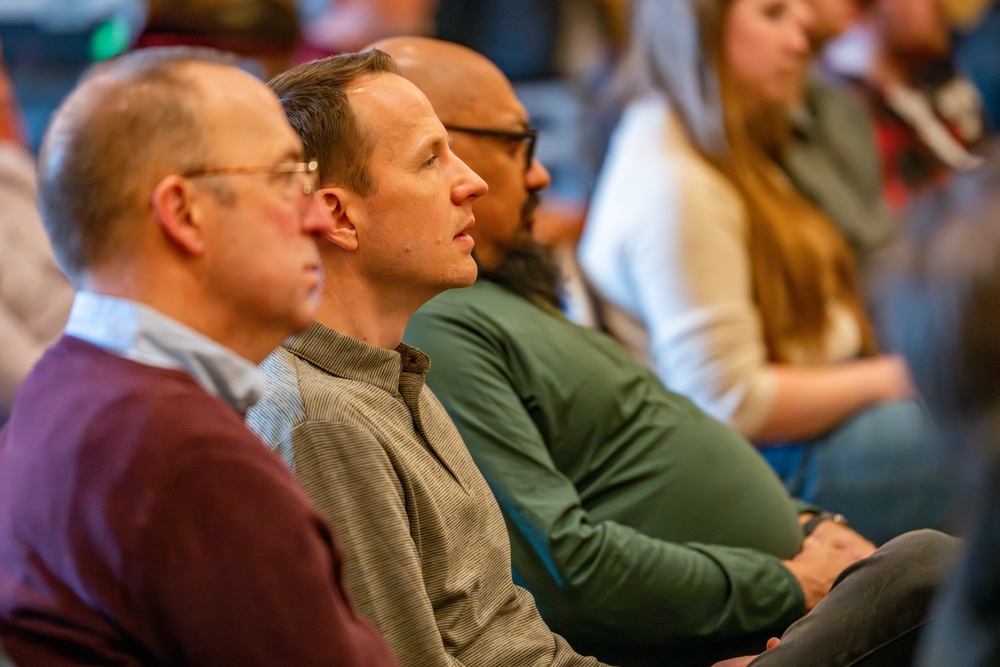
column 343, row 356
column 140, row 333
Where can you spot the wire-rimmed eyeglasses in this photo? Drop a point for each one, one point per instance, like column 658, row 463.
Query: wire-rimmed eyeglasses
column 528, row 135
column 308, row 171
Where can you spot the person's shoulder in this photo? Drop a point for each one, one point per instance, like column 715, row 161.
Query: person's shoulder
column 17, row 169
column 180, row 409
column 832, row 101
column 648, row 141
column 76, row 367
column 280, row 407
column 299, row 392
column 479, row 299
column 484, row 306
column 158, row 419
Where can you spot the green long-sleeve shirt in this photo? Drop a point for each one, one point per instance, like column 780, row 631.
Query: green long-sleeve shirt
column 638, row 522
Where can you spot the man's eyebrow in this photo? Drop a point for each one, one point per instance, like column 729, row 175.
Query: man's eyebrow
column 434, row 143
column 292, row 155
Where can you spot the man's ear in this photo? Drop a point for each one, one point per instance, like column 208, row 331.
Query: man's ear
column 340, row 206
column 178, row 214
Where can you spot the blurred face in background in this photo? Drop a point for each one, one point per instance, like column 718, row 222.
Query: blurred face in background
column 830, row 19
column 766, row 49
column 913, row 30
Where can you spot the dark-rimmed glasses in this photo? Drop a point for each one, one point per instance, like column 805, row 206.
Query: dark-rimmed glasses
column 308, row 170
column 528, row 135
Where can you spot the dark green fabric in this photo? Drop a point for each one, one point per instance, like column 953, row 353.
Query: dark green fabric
column 637, row 521
column 833, row 159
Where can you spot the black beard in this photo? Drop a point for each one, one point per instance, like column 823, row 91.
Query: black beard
column 529, row 271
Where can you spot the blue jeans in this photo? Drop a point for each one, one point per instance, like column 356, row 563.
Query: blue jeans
column 882, row 469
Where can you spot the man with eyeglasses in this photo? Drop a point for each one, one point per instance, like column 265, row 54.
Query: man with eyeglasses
column 141, row 522
column 649, row 533
column 428, row 558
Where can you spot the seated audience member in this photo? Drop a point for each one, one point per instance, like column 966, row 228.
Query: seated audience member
column 264, row 33
column 649, row 533
column 976, row 54
column 428, row 559
column 928, row 117
column 34, row 296
column 339, row 26
column 943, row 312
column 831, row 156
column 141, row 522
column 737, row 290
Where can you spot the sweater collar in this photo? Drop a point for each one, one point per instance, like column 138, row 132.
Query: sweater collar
column 144, row 335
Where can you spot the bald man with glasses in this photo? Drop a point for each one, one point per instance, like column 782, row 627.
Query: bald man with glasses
column 141, row 522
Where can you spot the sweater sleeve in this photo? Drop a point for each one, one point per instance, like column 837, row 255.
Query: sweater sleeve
column 611, row 579
column 351, row 481
column 235, row 568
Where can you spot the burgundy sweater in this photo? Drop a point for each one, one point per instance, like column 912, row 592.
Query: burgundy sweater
column 141, row 523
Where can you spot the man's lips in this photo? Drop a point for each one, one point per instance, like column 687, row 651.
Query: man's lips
column 466, row 228
column 314, row 270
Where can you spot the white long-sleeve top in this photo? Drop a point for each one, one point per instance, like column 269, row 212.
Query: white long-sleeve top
column 666, row 246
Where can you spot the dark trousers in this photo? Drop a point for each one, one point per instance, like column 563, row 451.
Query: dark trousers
column 876, row 610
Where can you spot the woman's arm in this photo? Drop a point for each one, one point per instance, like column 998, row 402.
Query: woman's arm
column 810, row 400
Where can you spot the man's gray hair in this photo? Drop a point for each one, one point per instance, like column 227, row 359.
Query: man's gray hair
column 127, row 117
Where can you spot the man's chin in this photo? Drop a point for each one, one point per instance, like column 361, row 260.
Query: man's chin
column 465, row 276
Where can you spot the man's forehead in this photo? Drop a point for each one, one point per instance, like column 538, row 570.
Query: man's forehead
column 384, row 90
column 388, row 104
column 487, row 102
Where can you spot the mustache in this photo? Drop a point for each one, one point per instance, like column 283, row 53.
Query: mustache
column 528, row 210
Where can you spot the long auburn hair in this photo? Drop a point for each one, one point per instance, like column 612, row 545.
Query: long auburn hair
column 798, row 260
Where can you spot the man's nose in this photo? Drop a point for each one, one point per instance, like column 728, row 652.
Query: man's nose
column 469, row 185
column 537, row 177
column 314, row 219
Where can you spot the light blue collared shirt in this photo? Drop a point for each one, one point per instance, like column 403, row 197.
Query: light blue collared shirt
column 142, row 334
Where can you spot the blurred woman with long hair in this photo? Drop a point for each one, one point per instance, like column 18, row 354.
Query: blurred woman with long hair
column 737, row 290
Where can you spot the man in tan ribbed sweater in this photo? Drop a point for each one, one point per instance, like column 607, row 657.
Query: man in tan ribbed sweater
column 428, row 557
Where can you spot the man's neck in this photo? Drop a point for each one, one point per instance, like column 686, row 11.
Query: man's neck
column 187, row 304
column 356, row 310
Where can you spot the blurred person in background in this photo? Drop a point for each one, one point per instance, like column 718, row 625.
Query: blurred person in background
column 741, row 294
column 35, row 297
column 831, row 156
column 978, row 26
column 943, row 312
column 928, row 116
column 265, row 33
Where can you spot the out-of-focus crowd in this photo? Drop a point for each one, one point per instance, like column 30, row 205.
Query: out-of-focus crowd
column 658, row 331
